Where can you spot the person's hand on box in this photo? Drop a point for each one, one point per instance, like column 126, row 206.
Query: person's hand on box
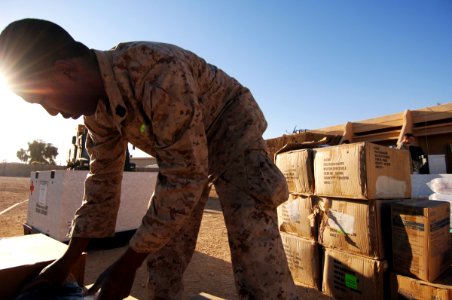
column 57, row 272
column 117, row 280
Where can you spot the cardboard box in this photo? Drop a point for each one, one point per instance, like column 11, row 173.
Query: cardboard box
column 297, row 167
column 412, row 288
column 298, row 216
column 356, row 226
column 303, row 259
column 56, row 195
column 23, row 257
column 352, row 277
column 421, row 239
column 362, row 171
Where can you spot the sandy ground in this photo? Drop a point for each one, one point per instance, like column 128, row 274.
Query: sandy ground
column 209, row 272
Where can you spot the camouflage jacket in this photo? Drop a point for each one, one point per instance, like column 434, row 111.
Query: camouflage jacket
column 191, row 116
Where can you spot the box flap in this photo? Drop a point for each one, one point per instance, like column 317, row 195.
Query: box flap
column 29, row 249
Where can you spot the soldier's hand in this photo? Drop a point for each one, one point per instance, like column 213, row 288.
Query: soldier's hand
column 116, row 282
column 58, row 271
column 54, row 274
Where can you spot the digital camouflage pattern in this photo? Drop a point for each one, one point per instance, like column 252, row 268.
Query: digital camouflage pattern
column 258, row 258
column 203, row 127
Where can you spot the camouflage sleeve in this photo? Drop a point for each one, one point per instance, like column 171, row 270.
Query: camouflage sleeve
column 181, row 152
column 97, row 215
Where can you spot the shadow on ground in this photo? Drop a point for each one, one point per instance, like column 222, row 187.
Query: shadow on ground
column 205, row 274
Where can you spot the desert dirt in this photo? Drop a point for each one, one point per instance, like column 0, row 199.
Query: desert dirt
column 209, row 272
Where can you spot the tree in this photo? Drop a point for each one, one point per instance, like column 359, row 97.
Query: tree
column 38, row 152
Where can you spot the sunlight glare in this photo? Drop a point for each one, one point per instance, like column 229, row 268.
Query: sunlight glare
column 5, row 92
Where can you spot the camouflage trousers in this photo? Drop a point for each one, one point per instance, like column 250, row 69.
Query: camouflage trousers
column 249, row 191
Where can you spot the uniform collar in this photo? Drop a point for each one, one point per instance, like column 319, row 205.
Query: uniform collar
column 115, row 99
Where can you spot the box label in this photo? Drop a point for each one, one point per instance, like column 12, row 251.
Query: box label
column 382, row 158
column 351, row 281
column 334, row 170
column 439, row 224
column 344, row 278
column 41, row 205
column 293, row 211
column 408, row 224
column 42, row 200
column 341, row 222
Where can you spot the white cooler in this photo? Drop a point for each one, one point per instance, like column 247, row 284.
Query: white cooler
column 56, row 195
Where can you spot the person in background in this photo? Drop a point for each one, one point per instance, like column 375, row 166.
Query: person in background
column 203, row 127
column 417, row 155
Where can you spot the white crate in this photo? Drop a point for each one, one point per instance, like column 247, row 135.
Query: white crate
column 56, row 195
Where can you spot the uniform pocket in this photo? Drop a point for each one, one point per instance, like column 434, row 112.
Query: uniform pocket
column 265, row 182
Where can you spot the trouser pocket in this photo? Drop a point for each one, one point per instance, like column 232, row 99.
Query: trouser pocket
column 265, row 181
column 256, row 175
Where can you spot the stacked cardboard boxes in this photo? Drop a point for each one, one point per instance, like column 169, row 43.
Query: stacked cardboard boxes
column 412, row 288
column 297, row 218
column 421, row 250
column 303, row 260
column 298, row 169
column 354, row 187
column 349, row 276
column 357, row 184
column 362, row 171
column 357, row 227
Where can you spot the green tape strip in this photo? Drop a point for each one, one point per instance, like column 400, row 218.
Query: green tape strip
column 351, row 281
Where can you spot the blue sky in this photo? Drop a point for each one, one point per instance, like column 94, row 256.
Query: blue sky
column 309, row 64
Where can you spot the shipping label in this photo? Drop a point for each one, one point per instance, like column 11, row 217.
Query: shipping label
column 41, row 205
column 382, row 158
column 293, row 211
column 345, row 278
column 290, row 174
column 410, row 223
column 334, row 171
column 341, row 222
column 294, row 256
column 351, row 281
column 42, row 199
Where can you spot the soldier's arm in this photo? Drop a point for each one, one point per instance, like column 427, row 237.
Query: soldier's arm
column 181, row 151
column 57, row 272
column 96, row 218
column 182, row 155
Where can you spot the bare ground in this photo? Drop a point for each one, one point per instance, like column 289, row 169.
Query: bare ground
column 209, row 272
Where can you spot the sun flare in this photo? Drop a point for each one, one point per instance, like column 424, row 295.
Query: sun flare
column 4, row 88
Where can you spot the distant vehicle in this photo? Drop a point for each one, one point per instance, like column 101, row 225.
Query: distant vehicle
column 78, row 158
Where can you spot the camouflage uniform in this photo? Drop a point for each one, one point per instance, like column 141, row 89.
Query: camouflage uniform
column 203, row 127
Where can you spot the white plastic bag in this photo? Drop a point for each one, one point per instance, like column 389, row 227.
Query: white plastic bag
column 440, row 197
column 441, row 186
